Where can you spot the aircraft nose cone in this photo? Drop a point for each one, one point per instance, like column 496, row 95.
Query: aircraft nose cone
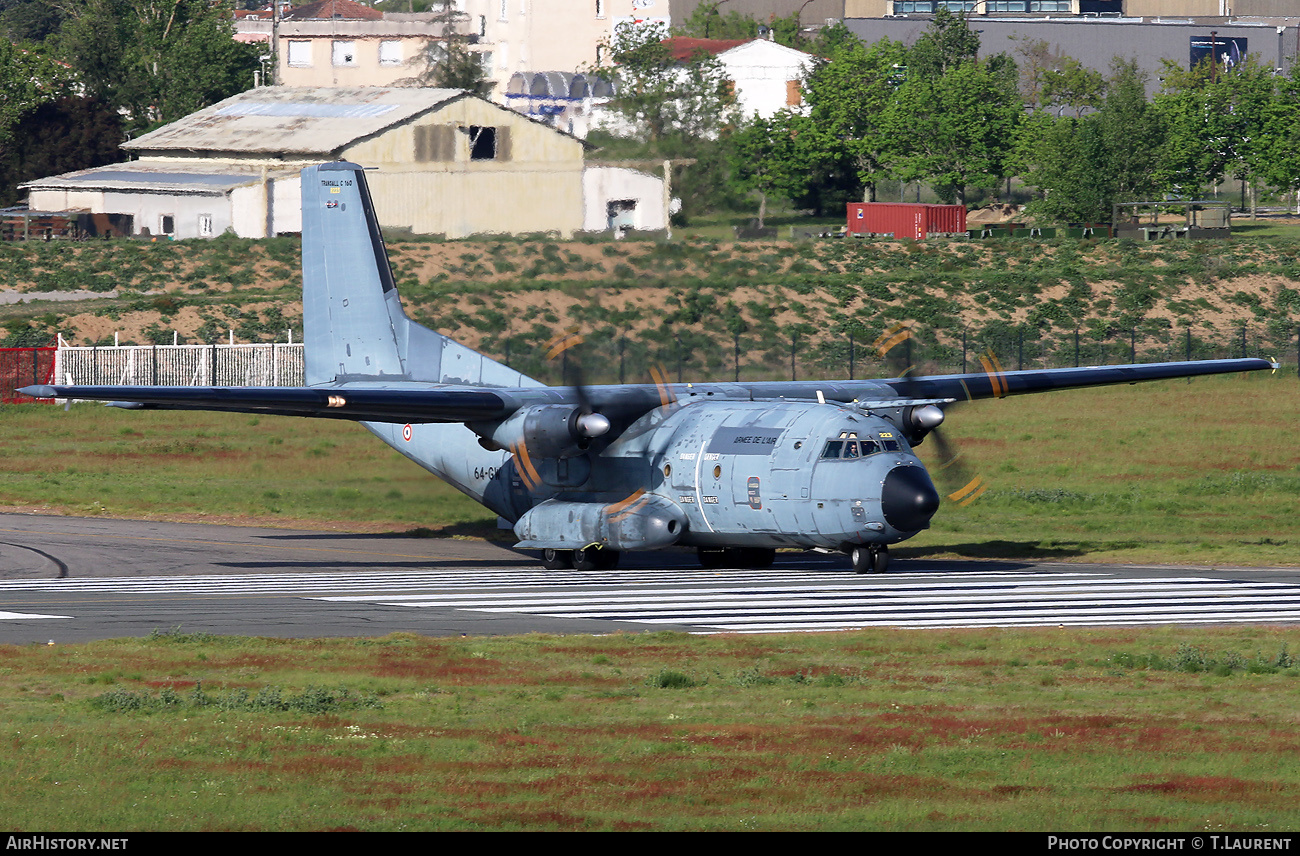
column 908, row 499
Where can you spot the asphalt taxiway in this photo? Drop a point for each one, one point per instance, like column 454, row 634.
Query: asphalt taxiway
column 67, row 579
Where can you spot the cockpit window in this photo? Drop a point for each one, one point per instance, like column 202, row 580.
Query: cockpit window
column 848, row 447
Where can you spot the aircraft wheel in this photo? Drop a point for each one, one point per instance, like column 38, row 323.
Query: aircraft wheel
column 757, row 557
column 870, row 559
column 594, row 559
column 711, row 557
column 557, row 560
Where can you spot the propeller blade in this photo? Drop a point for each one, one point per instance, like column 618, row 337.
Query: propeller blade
column 959, row 484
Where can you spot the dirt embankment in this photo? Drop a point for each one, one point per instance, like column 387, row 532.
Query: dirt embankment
column 460, row 286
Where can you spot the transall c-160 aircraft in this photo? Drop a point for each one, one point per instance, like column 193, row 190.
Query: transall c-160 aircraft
column 583, row 473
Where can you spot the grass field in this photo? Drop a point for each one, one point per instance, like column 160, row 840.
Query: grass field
column 1062, row 730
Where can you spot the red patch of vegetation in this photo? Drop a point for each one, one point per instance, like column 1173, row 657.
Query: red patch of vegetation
column 1214, row 789
column 503, row 819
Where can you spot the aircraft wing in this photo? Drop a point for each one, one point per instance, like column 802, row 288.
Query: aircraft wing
column 368, row 405
column 423, row 403
column 998, row 384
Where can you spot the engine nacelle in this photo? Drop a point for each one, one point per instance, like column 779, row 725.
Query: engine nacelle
column 640, row 522
column 919, row 420
column 547, row 431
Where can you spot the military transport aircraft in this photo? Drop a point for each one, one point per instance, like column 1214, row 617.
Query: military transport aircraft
column 735, row 470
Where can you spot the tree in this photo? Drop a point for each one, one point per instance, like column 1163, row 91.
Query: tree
column 1083, row 166
column 447, row 62
column 1067, row 162
column 955, row 130
column 59, row 136
column 946, row 43
column 1276, row 156
column 849, row 96
column 1132, row 133
column 156, row 60
column 667, row 102
column 766, row 157
column 1074, row 86
column 28, row 79
column 706, row 22
column 1214, row 121
column 29, row 20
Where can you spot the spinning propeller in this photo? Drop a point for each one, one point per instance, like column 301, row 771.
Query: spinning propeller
column 923, row 421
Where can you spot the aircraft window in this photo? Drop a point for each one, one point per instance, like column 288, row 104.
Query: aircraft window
column 851, row 449
column 870, row 447
column 832, row 449
column 890, row 445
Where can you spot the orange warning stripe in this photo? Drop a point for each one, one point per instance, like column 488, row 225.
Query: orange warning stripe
column 526, row 469
column 969, row 492
column 627, row 506
column 994, row 370
column 562, row 343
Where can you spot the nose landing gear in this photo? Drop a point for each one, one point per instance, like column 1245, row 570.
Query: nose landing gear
column 870, row 559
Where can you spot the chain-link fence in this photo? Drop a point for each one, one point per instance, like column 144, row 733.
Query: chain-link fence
column 698, row 353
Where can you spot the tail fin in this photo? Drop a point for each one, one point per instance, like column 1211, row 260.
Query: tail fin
column 353, row 324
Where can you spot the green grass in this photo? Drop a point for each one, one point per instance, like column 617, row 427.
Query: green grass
column 1201, row 473
column 95, row 460
column 1064, row 730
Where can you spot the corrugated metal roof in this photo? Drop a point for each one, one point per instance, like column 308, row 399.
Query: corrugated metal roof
column 170, row 178
column 294, row 120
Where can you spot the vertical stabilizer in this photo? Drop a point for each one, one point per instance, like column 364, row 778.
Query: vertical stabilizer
column 353, row 324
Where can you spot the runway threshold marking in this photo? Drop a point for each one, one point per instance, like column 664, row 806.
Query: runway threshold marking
column 22, row 616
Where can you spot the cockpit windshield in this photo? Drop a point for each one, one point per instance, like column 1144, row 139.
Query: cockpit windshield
column 848, row 446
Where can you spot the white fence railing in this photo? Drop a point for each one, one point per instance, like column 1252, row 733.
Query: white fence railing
column 270, row 364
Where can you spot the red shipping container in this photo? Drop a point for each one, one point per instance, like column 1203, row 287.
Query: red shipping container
column 904, row 220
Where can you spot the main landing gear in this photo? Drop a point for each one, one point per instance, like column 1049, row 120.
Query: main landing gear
column 870, row 559
column 583, row 559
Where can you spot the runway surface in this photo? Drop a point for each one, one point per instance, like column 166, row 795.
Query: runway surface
column 76, row 579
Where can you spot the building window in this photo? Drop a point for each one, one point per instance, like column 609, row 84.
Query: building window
column 166, row 224
column 793, row 93
column 299, row 54
column 488, row 143
column 600, row 8
column 205, row 225
column 390, row 53
column 503, row 10
column 482, row 26
column 345, row 54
